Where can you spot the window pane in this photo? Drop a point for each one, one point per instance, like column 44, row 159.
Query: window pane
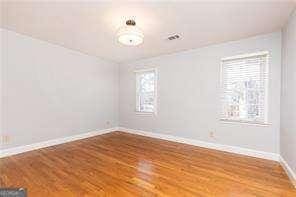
column 244, row 88
column 145, row 91
column 147, row 102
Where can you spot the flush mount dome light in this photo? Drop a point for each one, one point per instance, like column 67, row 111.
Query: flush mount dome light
column 130, row 34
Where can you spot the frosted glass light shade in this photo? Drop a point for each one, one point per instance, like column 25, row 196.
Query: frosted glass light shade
column 130, row 35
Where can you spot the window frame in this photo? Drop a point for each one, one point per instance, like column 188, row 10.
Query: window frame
column 266, row 99
column 147, row 70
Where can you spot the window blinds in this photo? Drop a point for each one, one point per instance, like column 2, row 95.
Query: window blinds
column 145, row 86
column 244, row 88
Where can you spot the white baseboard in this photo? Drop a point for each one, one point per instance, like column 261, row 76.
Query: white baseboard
column 289, row 171
column 38, row 145
column 227, row 148
column 231, row 149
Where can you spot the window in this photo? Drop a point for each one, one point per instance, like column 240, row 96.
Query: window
column 245, row 88
column 146, row 90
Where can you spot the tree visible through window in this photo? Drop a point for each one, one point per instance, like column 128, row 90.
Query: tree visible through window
column 244, row 88
column 146, row 85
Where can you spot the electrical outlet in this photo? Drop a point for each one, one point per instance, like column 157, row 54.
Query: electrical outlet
column 212, row 134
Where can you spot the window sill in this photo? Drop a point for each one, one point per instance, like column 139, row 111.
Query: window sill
column 145, row 113
column 227, row 121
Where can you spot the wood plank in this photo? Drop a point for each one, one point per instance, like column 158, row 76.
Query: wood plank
column 122, row 164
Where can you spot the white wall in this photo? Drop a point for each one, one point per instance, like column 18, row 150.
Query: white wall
column 1, row 66
column 50, row 92
column 288, row 99
column 188, row 95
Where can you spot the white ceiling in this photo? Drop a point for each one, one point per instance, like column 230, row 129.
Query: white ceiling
column 90, row 26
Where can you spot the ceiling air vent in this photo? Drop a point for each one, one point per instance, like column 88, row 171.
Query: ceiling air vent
column 174, row 37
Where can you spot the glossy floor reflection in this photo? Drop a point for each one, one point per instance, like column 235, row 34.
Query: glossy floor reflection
column 121, row 164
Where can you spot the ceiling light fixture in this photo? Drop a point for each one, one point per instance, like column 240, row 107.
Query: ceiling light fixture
column 130, row 34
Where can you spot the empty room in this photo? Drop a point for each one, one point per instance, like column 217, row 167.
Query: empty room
column 148, row 98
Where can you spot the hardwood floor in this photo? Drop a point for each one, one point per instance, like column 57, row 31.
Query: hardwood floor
column 121, row 164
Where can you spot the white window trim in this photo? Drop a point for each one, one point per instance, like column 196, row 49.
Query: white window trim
column 238, row 121
column 260, row 53
column 155, row 91
column 254, row 123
